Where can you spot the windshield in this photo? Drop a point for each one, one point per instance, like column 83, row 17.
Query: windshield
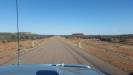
column 98, row 33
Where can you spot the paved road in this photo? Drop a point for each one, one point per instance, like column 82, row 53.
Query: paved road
column 57, row 52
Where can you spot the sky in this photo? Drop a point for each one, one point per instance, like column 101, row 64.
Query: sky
column 62, row 17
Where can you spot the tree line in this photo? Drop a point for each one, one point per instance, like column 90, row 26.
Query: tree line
column 8, row 37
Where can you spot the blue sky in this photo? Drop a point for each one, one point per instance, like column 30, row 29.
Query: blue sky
column 68, row 16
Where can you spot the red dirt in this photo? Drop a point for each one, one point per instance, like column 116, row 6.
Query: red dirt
column 119, row 55
column 8, row 49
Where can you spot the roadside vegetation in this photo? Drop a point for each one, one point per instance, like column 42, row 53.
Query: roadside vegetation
column 121, row 39
column 10, row 37
column 114, row 49
column 8, row 44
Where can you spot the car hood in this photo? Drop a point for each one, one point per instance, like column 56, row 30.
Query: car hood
column 61, row 69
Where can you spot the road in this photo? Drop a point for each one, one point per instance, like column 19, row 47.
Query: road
column 57, row 52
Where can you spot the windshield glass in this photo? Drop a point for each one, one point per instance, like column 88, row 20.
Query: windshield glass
column 98, row 33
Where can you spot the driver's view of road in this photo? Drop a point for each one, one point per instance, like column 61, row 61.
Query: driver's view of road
column 66, row 37
column 57, row 50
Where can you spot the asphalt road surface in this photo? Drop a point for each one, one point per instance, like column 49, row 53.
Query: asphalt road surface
column 58, row 52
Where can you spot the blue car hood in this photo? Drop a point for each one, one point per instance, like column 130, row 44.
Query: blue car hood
column 32, row 69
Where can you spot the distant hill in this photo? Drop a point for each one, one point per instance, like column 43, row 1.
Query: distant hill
column 7, row 36
column 26, row 33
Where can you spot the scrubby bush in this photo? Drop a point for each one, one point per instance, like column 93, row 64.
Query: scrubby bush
column 4, row 41
column 106, row 39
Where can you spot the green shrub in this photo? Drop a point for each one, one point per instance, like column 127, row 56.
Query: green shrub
column 106, row 39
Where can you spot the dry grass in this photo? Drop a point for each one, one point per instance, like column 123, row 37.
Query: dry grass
column 118, row 55
column 8, row 49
